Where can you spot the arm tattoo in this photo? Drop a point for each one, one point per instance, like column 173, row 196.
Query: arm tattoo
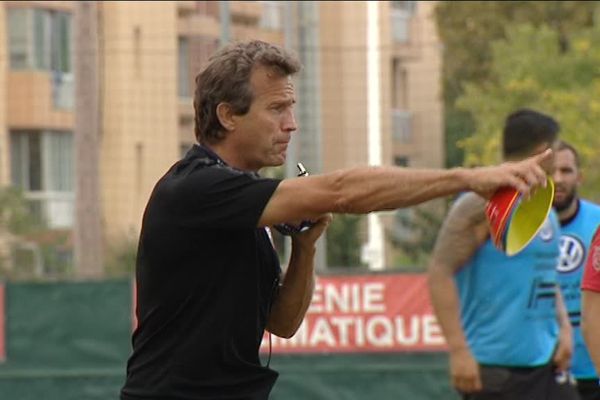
column 463, row 231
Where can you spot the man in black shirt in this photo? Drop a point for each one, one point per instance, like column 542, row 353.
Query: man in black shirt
column 208, row 278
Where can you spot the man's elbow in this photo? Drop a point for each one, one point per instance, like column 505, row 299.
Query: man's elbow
column 286, row 330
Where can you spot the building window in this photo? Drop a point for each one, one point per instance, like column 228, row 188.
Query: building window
column 401, row 161
column 40, row 39
column 42, row 165
column 193, row 52
column 399, row 85
column 183, row 67
column 19, row 38
column 408, row 7
column 271, row 15
column 401, row 13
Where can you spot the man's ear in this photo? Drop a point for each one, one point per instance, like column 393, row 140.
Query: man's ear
column 225, row 115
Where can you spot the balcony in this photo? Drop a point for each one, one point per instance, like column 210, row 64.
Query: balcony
column 248, row 12
column 55, row 209
column 199, row 25
column 36, row 100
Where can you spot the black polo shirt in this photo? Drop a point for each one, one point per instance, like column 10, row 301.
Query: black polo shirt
column 205, row 281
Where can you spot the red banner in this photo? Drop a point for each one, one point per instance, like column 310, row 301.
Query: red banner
column 2, row 325
column 368, row 313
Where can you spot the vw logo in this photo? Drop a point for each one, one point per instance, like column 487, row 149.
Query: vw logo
column 572, row 253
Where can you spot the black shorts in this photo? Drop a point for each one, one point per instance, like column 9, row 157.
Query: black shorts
column 538, row 383
column 588, row 389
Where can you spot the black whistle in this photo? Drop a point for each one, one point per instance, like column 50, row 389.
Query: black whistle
column 290, row 229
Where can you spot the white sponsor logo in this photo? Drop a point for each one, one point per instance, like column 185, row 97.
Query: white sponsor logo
column 572, row 253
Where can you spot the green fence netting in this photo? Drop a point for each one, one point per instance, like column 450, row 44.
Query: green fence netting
column 71, row 340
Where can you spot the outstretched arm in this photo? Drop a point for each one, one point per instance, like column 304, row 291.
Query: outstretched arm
column 365, row 189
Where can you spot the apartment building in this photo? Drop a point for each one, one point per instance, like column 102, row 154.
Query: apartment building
column 148, row 56
column 411, row 109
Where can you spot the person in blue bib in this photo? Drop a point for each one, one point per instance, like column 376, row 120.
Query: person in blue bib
column 503, row 317
column 579, row 219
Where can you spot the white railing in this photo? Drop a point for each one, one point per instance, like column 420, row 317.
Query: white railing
column 56, row 209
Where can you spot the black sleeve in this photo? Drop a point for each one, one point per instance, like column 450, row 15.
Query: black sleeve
column 217, row 197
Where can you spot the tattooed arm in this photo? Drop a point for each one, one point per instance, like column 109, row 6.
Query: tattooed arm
column 463, row 232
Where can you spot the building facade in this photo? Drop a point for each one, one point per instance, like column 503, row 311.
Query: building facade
column 148, row 56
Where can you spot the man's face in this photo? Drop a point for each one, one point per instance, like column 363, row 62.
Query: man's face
column 262, row 135
column 566, row 179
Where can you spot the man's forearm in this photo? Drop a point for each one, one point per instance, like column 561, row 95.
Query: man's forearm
column 295, row 294
column 362, row 190
column 561, row 311
column 590, row 324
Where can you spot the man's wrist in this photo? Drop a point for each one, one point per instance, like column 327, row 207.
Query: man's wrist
column 458, row 348
column 307, row 250
column 463, row 176
column 565, row 327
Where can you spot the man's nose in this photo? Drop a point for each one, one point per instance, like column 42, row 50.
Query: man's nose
column 289, row 122
column 557, row 176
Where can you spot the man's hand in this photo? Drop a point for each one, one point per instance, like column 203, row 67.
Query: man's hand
column 309, row 237
column 564, row 350
column 524, row 175
column 464, row 371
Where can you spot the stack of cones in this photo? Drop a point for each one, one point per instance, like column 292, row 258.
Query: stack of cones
column 515, row 221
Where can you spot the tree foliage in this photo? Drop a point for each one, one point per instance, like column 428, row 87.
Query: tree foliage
column 414, row 233
column 530, row 68
column 468, row 28
column 15, row 215
column 344, row 242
